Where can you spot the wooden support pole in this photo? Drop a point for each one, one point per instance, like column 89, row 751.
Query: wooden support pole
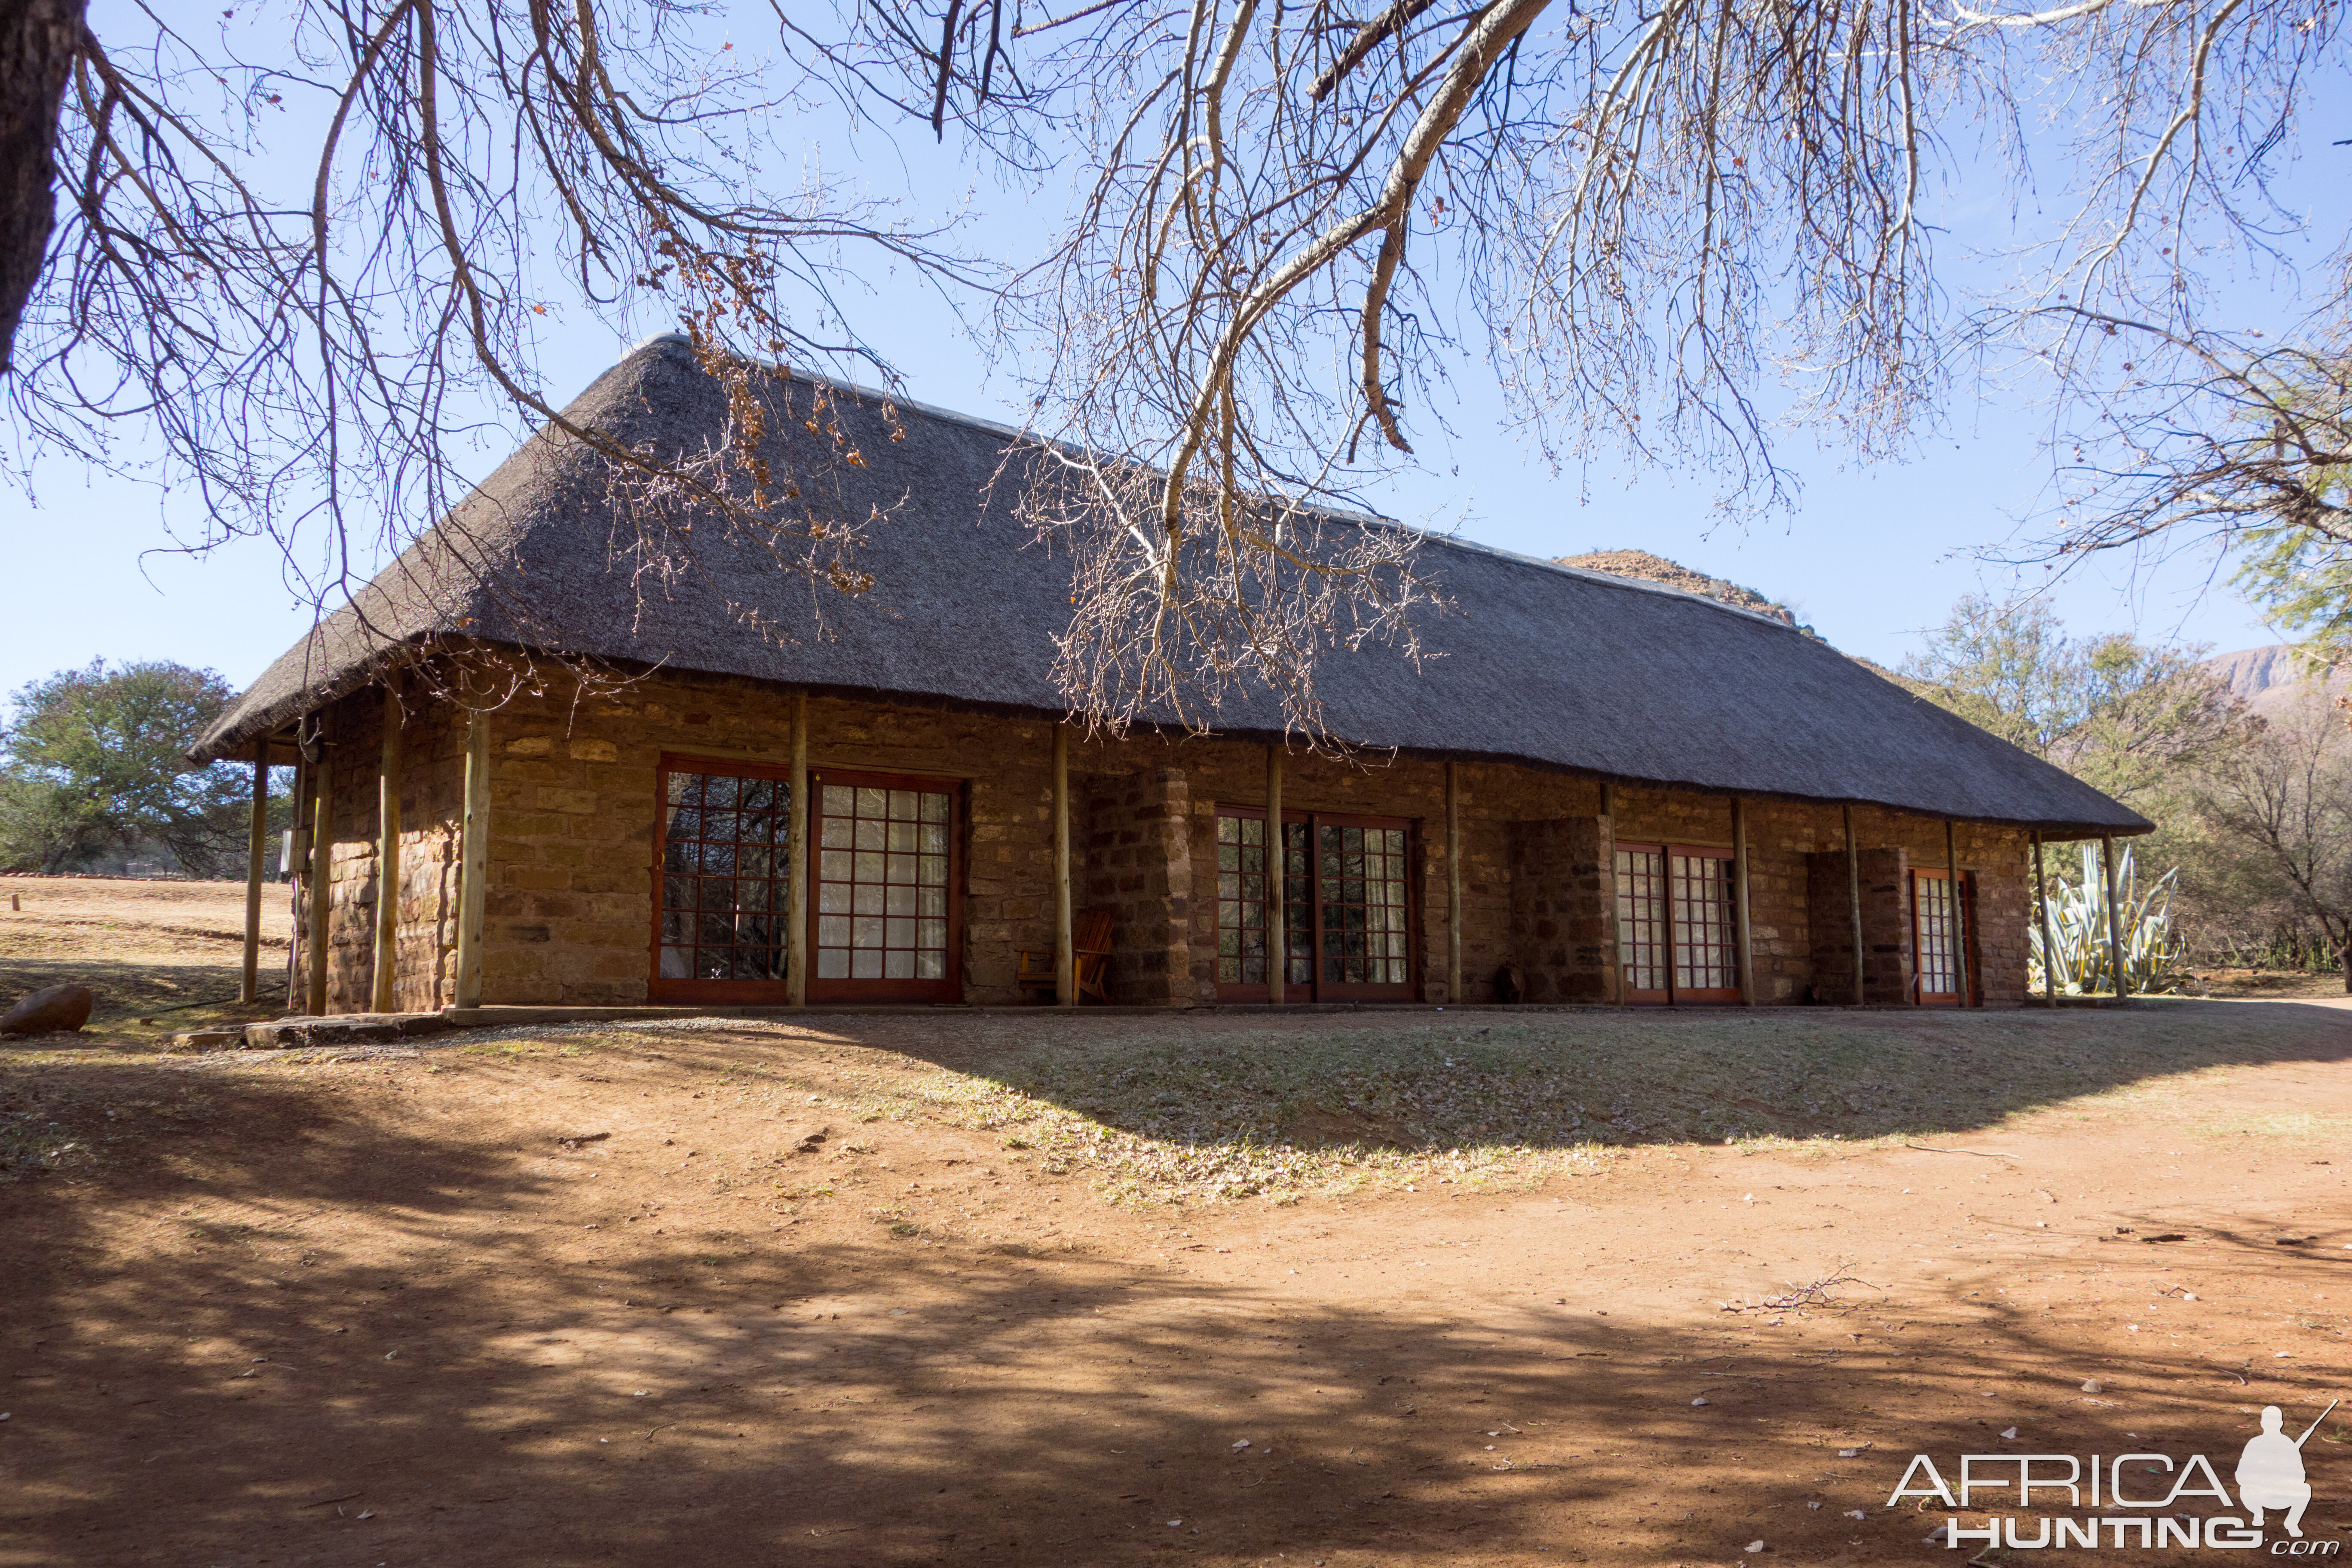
column 382, row 995
column 1277, row 946
column 797, row 936
column 1739, row 929
column 322, row 868
column 2042, row 914
column 1959, row 910
column 1614, row 967
column 2114, row 924
column 1453, row 883
column 1853, row 899
column 257, row 845
column 474, row 860
column 1066, row 958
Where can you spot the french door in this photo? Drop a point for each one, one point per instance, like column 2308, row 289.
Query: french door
column 1348, row 903
column 1676, row 942
column 1940, row 924
column 884, row 921
column 723, row 876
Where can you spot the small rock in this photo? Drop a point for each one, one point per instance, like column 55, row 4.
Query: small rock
column 1239, row 1444
column 52, row 1010
column 1855, row 1513
column 1936, row 1536
column 1849, row 1453
column 1754, row 1547
column 1813, row 1507
column 2011, row 1432
column 1697, row 1403
column 2188, row 1295
column 2093, row 1386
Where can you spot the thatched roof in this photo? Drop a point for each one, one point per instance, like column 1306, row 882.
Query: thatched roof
column 1537, row 663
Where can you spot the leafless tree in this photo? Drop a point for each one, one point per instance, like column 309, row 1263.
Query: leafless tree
column 1671, row 225
column 1674, row 224
column 312, row 273
column 2278, row 815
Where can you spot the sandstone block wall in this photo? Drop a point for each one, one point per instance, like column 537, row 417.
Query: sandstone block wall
column 573, row 813
column 1564, row 908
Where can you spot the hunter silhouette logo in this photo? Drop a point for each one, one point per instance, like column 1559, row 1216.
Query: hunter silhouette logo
column 2129, row 1508
column 2269, row 1472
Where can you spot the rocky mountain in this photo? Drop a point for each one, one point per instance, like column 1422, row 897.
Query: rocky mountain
column 1649, row 568
column 2271, row 679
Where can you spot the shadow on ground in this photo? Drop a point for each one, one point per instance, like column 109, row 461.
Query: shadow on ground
column 1559, row 1079
column 401, row 1388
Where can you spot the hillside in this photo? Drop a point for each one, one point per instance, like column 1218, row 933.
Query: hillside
column 2271, row 679
column 1645, row 567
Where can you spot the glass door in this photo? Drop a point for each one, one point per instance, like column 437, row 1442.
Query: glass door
column 1937, row 927
column 885, row 923
column 1676, row 942
column 722, row 852
column 1347, row 903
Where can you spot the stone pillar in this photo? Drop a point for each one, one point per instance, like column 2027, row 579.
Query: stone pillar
column 1563, row 909
column 1886, row 926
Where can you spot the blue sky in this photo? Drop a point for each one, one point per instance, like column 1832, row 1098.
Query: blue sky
column 1872, row 555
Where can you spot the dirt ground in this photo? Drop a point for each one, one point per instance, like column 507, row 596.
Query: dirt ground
column 148, row 948
column 1472, row 1287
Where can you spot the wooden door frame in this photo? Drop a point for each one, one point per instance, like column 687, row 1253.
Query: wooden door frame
column 949, row 988
column 1314, row 987
column 724, row 991
column 1673, row 996
column 1964, row 911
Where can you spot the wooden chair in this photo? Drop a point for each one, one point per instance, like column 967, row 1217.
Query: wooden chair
column 1090, row 951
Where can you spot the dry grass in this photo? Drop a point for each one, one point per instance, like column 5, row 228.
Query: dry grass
column 1153, row 1112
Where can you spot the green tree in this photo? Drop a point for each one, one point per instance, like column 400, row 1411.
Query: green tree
column 94, row 763
column 2114, row 711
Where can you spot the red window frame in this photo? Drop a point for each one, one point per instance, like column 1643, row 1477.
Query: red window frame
column 1964, row 911
column 663, row 988
column 1659, row 905
column 948, row 987
column 1303, row 889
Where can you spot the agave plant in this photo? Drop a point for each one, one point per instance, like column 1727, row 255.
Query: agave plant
column 2078, row 930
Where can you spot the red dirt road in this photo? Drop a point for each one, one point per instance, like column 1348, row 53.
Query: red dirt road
column 374, row 1312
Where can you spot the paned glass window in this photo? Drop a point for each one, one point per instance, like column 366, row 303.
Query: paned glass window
column 882, row 882
column 1363, row 870
column 1642, row 929
column 725, row 876
column 1706, row 955
column 1240, row 901
column 1676, row 938
column 1346, row 904
column 1938, row 937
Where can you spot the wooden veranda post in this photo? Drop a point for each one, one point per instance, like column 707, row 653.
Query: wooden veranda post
column 1615, row 970
column 321, row 874
column 1959, row 910
column 796, row 905
column 1739, row 900
column 1453, row 883
column 2114, row 924
column 382, row 994
column 1066, row 958
column 1277, row 955
column 473, row 860
column 1853, row 899
column 2042, row 915
column 257, row 845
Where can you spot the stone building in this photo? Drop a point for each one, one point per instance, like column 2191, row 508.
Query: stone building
column 536, row 771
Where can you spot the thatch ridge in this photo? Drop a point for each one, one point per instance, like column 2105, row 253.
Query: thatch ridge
column 1539, row 664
